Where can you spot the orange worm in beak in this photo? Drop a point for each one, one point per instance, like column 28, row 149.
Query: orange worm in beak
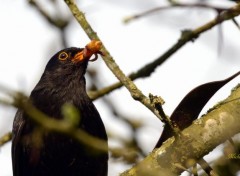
column 92, row 48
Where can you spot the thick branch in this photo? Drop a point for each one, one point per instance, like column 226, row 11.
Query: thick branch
column 196, row 141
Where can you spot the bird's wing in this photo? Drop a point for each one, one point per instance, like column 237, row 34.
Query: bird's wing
column 18, row 125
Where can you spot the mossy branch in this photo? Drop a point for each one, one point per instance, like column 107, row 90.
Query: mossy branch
column 196, row 141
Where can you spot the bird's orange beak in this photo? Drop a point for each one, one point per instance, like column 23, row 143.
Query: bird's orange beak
column 92, row 48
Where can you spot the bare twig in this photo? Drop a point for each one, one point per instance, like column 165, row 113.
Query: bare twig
column 5, row 138
column 175, row 5
column 236, row 23
column 206, row 167
column 187, row 35
column 58, row 21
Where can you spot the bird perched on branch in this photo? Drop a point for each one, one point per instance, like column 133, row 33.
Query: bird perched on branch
column 38, row 152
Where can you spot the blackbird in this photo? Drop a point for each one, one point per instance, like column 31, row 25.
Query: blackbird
column 38, row 152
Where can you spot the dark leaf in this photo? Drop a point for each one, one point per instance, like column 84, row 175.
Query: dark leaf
column 191, row 105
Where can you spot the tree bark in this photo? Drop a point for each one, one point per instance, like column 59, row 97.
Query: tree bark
column 219, row 124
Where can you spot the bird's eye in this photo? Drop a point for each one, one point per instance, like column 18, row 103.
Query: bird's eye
column 63, row 56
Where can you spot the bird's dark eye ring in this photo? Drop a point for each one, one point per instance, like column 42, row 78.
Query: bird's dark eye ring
column 63, row 56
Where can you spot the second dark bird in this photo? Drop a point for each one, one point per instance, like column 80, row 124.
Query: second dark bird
column 51, row 154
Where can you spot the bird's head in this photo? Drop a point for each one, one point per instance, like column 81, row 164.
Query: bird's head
column 63, row 77
column 66, row 69
column 73, row 60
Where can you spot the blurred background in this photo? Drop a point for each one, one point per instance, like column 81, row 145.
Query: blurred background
column 29, row 39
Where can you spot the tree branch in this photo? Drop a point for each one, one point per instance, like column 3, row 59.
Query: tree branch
column 109, row 61
column 196, row 141
column 57, row 22
column 175, row 5
column 187, row 35
column 5, row 138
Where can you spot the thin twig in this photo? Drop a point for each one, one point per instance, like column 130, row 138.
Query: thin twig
column 206, row 167
column 57, row 22
column 5, row 138
column 174, row 5
column 186, row 36
column 236, row 23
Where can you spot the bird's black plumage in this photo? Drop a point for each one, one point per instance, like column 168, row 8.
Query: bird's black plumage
column 36, row 152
